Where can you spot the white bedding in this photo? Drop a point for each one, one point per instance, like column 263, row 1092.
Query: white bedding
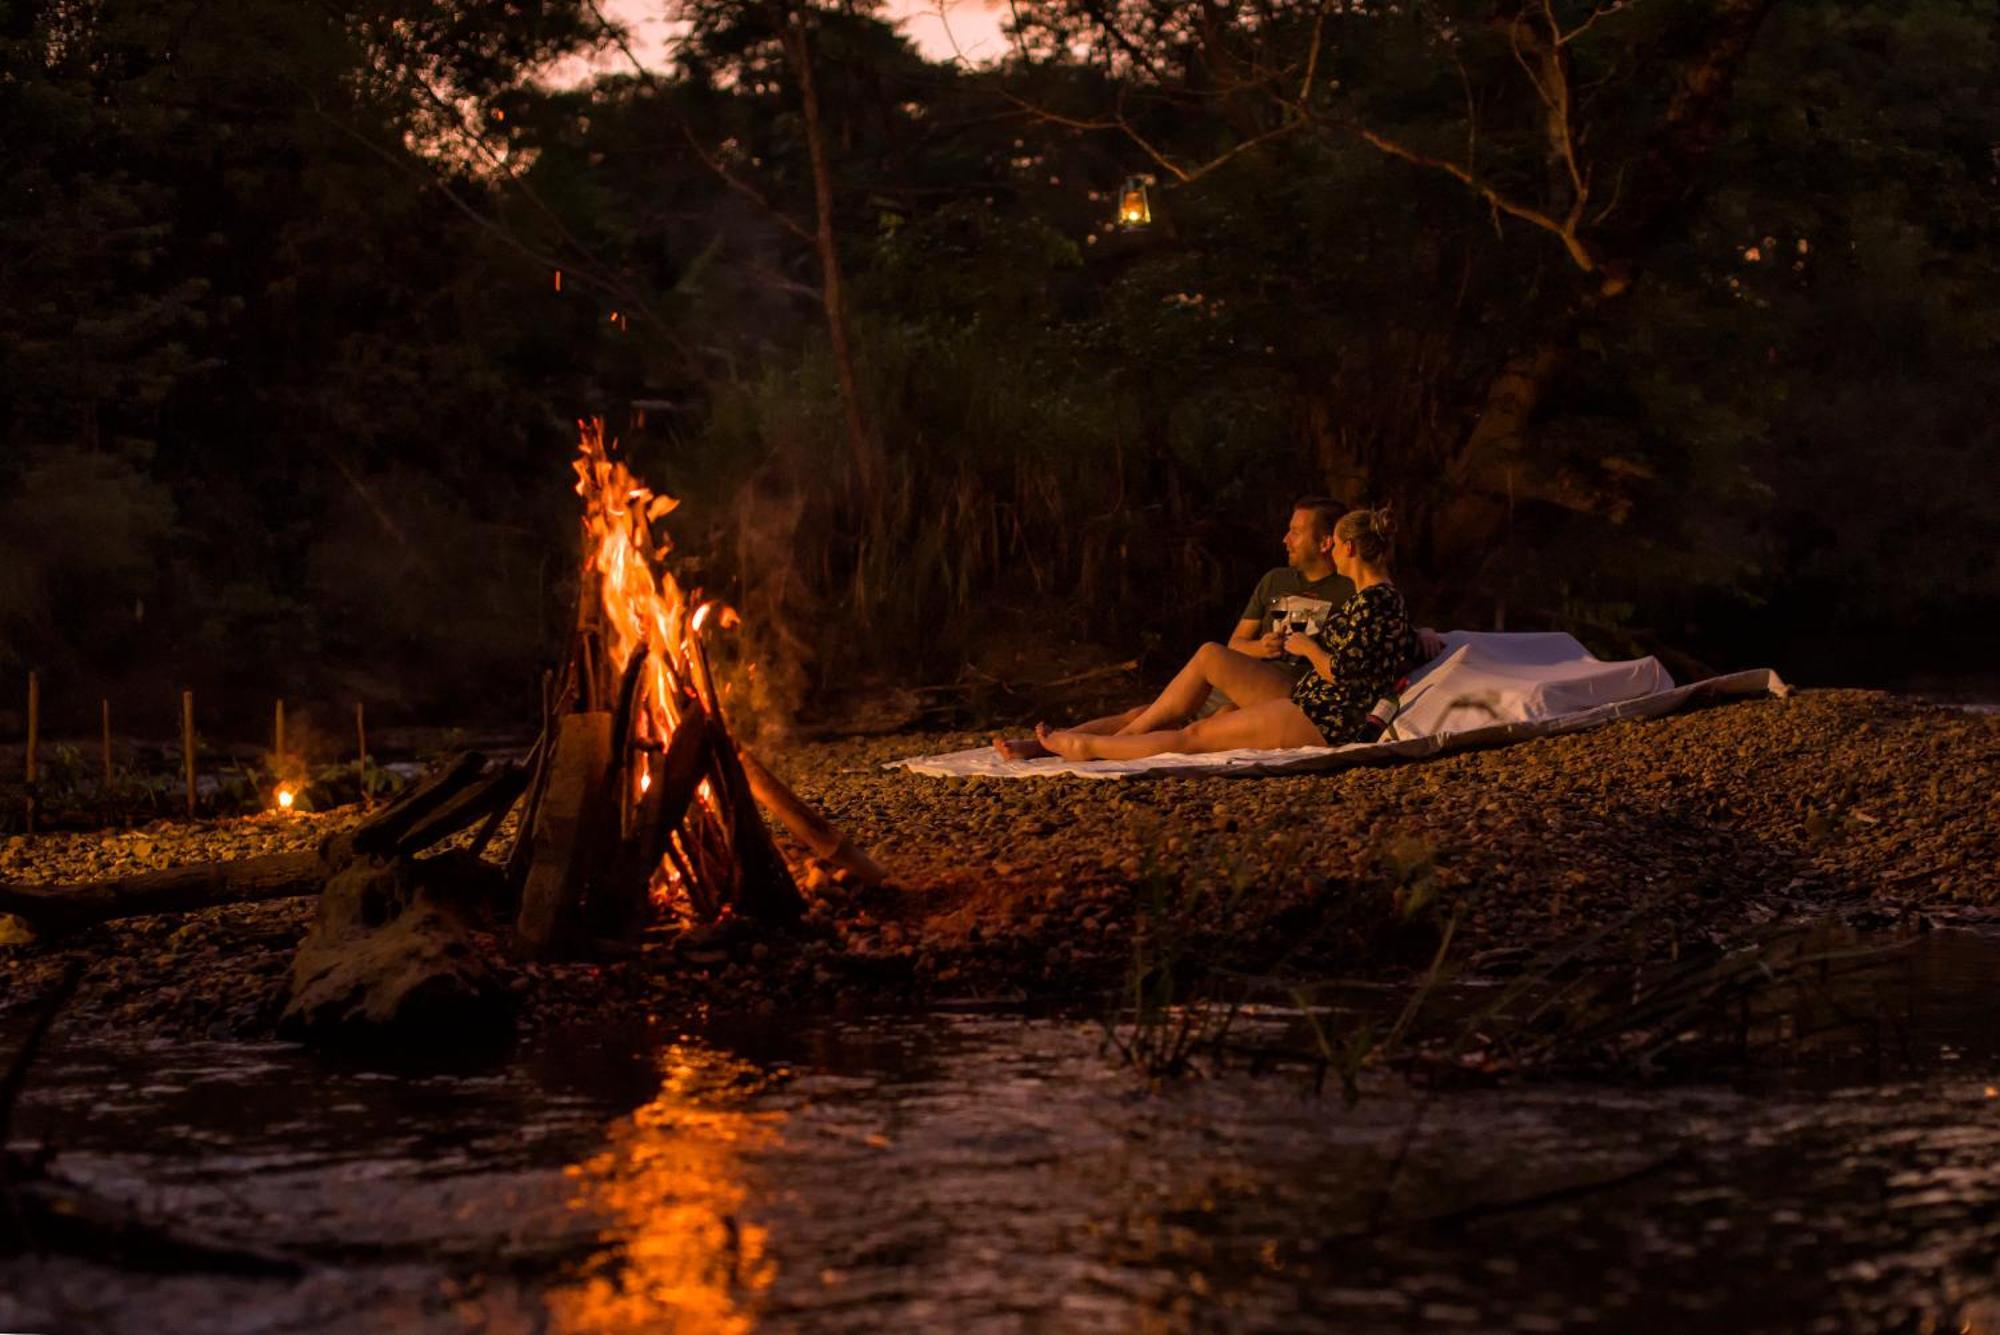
column 1485, row 690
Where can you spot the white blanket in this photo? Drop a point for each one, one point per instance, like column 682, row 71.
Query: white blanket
column 1485, row 690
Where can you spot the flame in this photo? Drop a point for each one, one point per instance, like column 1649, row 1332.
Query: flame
column 285, row 797
column 645, row 611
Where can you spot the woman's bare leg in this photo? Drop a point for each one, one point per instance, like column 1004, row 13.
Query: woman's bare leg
column 1271, row 723
column 1246, row 680
column 1031, row 748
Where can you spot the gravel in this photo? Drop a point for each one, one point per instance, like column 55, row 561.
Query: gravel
column 1641, row 840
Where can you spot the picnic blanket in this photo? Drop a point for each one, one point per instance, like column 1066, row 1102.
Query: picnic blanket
column 1484, row 690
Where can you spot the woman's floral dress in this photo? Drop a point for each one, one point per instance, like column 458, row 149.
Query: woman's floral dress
column 1368, row 641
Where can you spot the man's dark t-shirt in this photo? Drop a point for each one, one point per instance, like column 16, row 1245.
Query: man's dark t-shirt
column 1285, row 582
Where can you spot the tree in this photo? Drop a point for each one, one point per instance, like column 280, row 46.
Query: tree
column 1563, row 129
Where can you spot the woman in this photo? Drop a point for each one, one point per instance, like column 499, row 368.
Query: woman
column 1355, row 661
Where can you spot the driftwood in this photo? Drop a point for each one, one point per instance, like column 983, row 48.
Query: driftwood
column 66, row 908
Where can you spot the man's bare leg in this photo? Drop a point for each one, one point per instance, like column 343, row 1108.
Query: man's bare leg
column 1031, row 748
column 1271, row 723
column 1246, row 680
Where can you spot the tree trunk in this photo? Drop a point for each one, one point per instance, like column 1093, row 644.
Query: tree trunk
column 832, row 291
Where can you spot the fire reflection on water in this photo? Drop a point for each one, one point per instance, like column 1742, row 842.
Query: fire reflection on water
column 671, row 1187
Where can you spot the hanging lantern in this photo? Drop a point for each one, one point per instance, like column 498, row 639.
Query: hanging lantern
column 1133, row 210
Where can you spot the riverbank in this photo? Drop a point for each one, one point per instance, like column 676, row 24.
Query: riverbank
column 1639, row 842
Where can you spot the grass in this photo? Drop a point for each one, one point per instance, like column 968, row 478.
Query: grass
column 1773, row 998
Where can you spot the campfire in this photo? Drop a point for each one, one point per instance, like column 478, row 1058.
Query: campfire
column 641, row 799
column 636, row 803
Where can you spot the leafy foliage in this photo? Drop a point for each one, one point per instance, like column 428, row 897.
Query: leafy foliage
column 303, row 299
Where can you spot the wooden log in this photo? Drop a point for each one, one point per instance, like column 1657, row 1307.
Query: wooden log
column 811, row 828
column 278, row 741
column 622, row 750
column 521, row 856
column 52, row 909
column 530, row 770
column 572, row 831
column 475, row 803
column 381, row 832
column 764, row 887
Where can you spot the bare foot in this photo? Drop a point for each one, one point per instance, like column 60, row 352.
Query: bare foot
column 1068, row 745
column 1020, row 748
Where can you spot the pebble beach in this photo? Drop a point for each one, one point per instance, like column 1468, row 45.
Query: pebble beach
column 1642, row 840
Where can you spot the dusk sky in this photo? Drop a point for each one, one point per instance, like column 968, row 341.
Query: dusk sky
column 940, row 28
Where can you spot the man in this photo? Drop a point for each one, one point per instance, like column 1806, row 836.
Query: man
column 1305, row 589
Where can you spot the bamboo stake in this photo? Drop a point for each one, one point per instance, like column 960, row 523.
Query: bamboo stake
column 278, row 741
column 361, row 752
column 187, row 745
column 34, row 738
column 106, row 710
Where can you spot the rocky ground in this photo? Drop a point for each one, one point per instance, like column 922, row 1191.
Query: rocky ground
column 1639, row 841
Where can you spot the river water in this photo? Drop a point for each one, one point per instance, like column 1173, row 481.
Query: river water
column 974, row 1172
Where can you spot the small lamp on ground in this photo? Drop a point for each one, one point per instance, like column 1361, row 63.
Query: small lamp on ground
column 1133, row 209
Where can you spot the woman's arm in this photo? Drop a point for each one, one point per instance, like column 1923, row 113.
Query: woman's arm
column 1310, row 649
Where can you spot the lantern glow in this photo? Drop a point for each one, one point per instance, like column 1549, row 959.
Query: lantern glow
column 1133, row 208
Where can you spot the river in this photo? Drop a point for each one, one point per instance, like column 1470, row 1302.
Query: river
column 972, row 1171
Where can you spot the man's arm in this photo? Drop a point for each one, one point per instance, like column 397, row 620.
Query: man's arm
column 1248, row 641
